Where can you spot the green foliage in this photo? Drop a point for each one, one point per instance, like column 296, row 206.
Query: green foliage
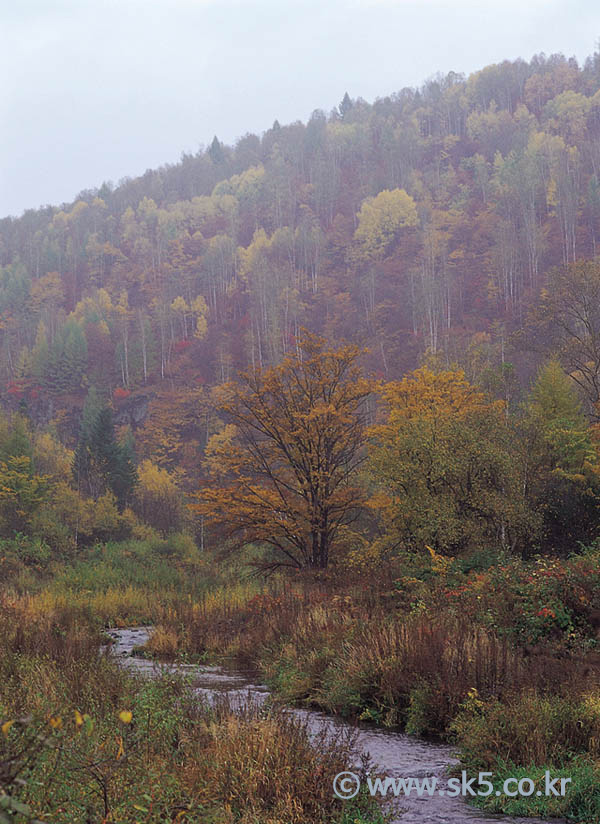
column 99, row 744
column 557, row 411
column 66, row 361
column 526, row 735
column 580, row 802
column 101, row 462
column 527, row 728
column 544, row 600
column 14, row 286
column 564, row 483
column 417, row 715
column 154, row 565
column 446, row 468
column 21, row 493
column 123, row 473
column 17, row 440
column 23, row 560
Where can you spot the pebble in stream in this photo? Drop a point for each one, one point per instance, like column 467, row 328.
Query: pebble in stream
column 394, row 753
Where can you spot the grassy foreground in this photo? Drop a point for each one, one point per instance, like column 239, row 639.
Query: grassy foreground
column 502, row 662
column 497, row 656
column 83, row 741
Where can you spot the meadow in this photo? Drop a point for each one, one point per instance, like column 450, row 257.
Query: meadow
column 84, row 741
column 500, row 659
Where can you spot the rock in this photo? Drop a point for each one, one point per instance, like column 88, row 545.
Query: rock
column 133, row 411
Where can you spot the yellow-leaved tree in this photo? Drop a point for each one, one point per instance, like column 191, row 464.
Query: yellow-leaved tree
column 158, row 500
column 379, row 220
column 447, row 467
column 22, row 491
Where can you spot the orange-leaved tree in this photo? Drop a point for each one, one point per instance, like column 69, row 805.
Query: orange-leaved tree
column 285, row 477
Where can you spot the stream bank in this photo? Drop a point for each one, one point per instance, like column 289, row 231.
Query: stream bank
column 393, row 754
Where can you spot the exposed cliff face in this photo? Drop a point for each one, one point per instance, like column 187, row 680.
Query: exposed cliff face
column 132, row 411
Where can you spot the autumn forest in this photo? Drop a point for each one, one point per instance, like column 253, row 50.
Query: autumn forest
column 310, row 404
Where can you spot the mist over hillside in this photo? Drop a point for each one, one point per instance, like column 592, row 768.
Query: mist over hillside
column 424, row 223
column 320, row 410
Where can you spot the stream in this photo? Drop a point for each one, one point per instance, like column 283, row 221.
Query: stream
column 392, row 753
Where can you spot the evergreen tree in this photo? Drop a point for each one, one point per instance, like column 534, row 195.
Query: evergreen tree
column 215, row 152
column 74, row 356
column 66, row 362
column 123, row 472
column 101, row 462
column 346, row 105
column 564, row 481
column 84, row 464
column 19, row 443
column 53, row 373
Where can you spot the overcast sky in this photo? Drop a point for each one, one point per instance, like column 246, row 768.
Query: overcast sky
column 95, row 90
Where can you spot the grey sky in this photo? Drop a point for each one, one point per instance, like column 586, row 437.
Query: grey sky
column 94, row 90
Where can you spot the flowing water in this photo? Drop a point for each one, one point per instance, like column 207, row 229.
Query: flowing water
column 392, row 753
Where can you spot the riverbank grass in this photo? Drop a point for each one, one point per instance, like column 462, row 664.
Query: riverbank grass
column 82, row 740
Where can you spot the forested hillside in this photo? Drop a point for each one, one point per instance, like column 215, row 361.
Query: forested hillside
column 326, row 405
column 422, row 224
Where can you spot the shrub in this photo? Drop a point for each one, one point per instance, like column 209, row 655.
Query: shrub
column 81, row 740
column 580, row 803
column 163, row 642
column 544, row 601
column 527, row 728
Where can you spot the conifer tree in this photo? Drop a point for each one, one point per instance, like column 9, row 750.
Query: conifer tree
column 564, row 471
column 67, row 358
column 215, row 151
column 74, row 356
column 101, row 462
column 40, row 354
column 83, row 462
column 18, row 443
column 346, row 105
column 123, row 472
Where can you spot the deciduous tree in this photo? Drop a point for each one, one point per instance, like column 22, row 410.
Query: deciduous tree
column 158, row 501
column 567, row 323
column 290, row 473
column 563, row 479
column 445, row 469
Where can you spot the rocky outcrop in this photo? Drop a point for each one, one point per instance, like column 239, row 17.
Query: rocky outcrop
column 132, row 411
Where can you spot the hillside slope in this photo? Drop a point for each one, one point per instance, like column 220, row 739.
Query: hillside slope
column 425, row 222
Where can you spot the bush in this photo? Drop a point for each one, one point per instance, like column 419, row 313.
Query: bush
column 527, row 728
column 544, row 601
column 580, row 803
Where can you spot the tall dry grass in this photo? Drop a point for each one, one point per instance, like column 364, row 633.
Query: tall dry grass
column 87, row 741
column 350, row 654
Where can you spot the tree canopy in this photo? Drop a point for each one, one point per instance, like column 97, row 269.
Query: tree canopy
column 291, row 468
column 446, row 468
